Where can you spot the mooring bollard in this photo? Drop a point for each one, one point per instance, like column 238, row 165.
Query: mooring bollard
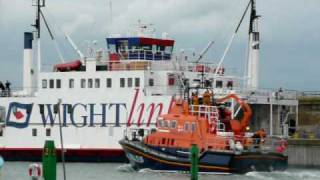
column 49, row 161
column 194, row 151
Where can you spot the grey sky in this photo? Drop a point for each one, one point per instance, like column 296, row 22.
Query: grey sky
column 290, row 55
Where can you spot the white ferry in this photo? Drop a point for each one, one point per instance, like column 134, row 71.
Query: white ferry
column 94, row 99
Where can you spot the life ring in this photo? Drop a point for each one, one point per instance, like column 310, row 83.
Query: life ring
column 35, row 170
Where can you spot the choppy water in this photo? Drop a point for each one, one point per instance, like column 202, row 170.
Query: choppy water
column 109, row 171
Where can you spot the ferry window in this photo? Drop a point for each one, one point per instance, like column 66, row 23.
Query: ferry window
column 1, row 133
column 48, row 132
column 219, row 84
column 171, row 81
column 122, row 82
column 186, row 126
column 173, row 124
column 129, row 82
column 51, row 83
column 193, row 127
column 112, row 48
column 97, row 83
column 151, row 82
column 230, row 84
column 71, row 83
column 58, row 83
column 90, row 83
column 83, row 83
column 34, row 132
column 44, row 84
column 137, row 82
column 168, row 49
column 109, row 83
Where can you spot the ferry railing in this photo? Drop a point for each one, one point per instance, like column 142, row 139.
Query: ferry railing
column 18, row 92
column 268, row 93
column 162, row 90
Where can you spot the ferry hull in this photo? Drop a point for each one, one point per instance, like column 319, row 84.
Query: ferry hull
column 209, row 162
column 71, row 155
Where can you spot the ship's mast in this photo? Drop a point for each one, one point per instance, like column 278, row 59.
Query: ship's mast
column 254, row 46
column 39, row 4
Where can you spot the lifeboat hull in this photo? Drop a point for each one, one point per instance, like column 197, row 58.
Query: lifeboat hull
column 163, row 159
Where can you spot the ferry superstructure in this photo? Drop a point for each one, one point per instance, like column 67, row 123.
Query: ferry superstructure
column 97, row 98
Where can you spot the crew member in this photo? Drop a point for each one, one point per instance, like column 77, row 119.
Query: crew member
column 207, row 98
column 8, row 90
column 195, row 102
column 260, row 135
column 2, row 89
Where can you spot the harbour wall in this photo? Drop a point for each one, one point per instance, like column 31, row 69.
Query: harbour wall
column 304, row 152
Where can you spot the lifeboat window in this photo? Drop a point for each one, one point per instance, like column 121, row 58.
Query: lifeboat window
column 44, row 84
column 193, row 127
column 173, row 124
column 97, row 83
column 71, row 83
column 51, row 83
column 163, row 140
column 129, row 82
column 58, row 83
column 90, row 83
column 83, row 83
column 219, row 84
column 109, row 82
column 186, row 126
column 165, row 124
column 137, row 82
column 160, row 123
column 172, row 142
column 122, row 82
column 151, row 82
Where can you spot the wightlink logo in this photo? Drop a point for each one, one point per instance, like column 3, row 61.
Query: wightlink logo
column 137, row 113
column 19, row 115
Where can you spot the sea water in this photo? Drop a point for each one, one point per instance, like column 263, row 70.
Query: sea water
column 115, row 171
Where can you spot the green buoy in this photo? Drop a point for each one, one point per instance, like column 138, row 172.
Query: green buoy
column 49, row 161
column 194, row 151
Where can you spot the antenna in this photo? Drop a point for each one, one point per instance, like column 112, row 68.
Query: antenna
column 39, row 4
column 253, row 16
column 110, row 7
column 204, row 51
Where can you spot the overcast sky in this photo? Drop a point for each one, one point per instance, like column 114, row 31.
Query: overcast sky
column 290, row 33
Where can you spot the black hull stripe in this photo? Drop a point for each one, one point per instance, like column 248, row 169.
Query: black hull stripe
column 175, row 163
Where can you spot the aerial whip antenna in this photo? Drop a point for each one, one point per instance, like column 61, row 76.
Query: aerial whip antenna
column 204, row 51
